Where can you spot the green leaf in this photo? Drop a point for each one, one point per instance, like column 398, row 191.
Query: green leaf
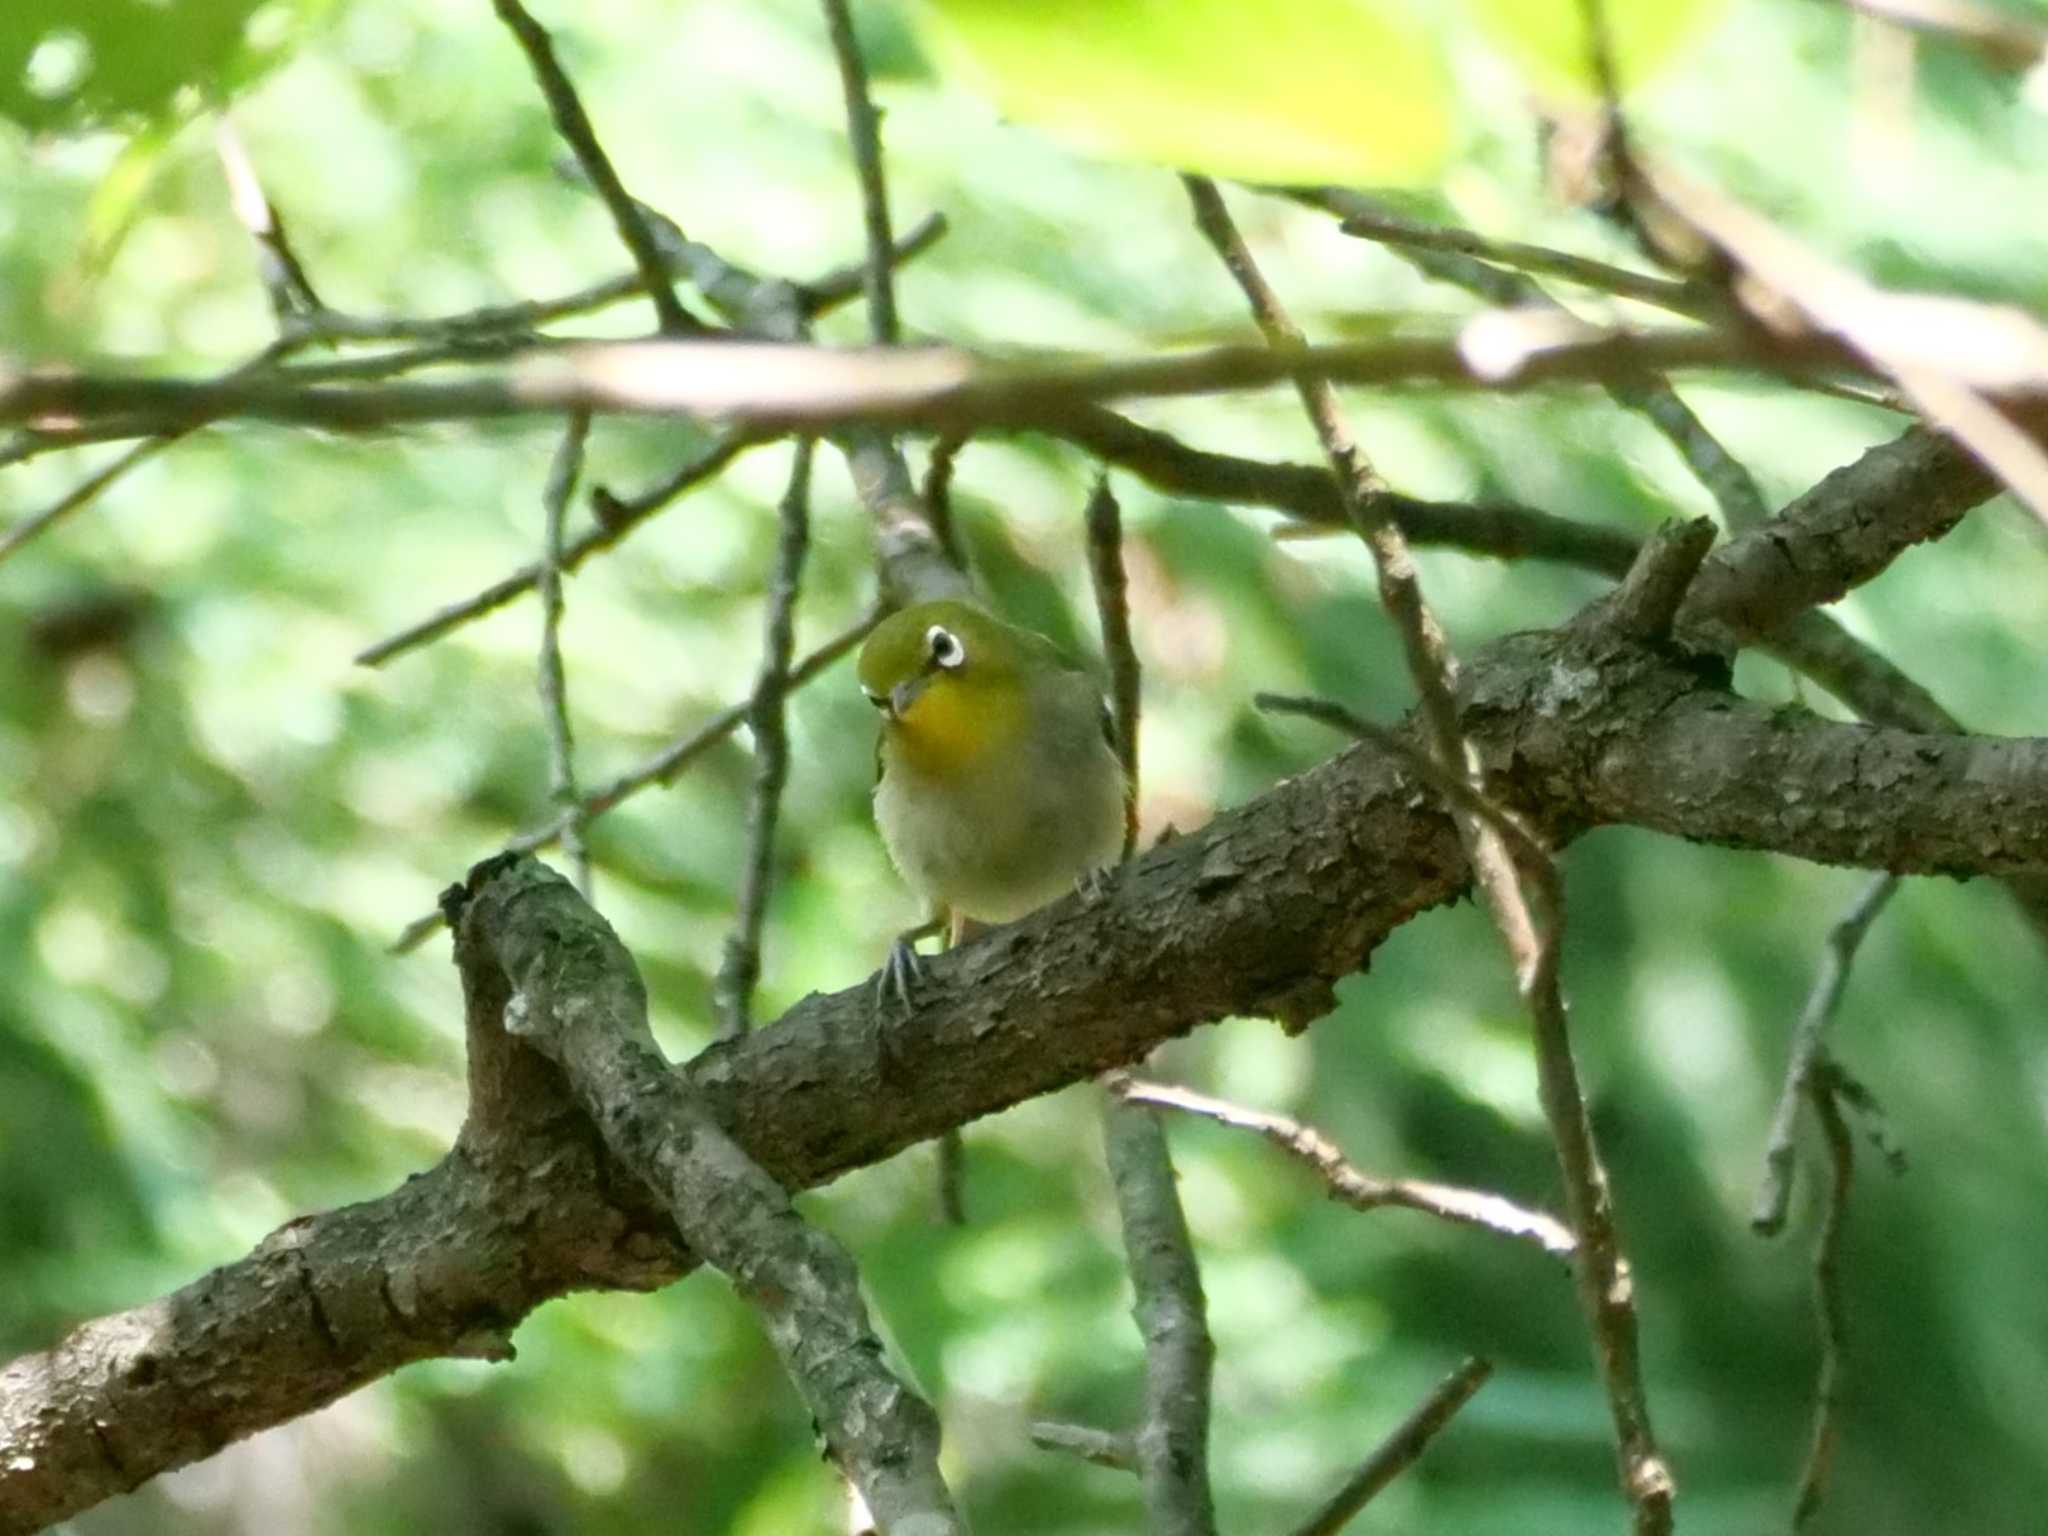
column 1548, row 37
column 1286, row 90
column 66, row 65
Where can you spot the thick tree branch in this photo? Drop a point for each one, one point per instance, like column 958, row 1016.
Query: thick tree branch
column 572, row 992
column 1840, row 534
column 1260, row 912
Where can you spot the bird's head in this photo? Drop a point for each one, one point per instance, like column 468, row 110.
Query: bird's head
column 949, row 679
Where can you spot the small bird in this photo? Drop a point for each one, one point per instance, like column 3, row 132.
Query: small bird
column 996, row 789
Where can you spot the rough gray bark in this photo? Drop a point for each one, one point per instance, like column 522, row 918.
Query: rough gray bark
column 577, row 999
column 1172, row 1438
column 1261, row 912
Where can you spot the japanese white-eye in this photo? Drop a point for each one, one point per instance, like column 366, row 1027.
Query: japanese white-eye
column 996, row 790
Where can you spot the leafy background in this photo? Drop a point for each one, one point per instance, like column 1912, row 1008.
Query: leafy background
column 211, row 823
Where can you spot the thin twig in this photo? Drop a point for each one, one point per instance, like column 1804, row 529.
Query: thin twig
column 1173, row 1436
column 622, row 518
column 1098, row 1447
column 1827, row 1294
column 864, row 135
column 617, row 515
column 1464, row 798
column 1360, row 1190
column 290, row 290
column 1514, row 898
column 937, row 493
column 554, row 686
column 741, row 968
column 1451, row 259
column 661, row 767
column 1809, row 1049
column 1363, row 217
column 573, row 123
column 38, row 523
column 1113, row 610
column 284, row 278
column 846, row 282
column 1892, row 331
column 1400, row 1450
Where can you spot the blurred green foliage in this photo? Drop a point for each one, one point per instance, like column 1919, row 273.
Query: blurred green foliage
column 211, row 823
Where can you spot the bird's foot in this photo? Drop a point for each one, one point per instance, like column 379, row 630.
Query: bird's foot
column 1096, row 884
column 896, row 983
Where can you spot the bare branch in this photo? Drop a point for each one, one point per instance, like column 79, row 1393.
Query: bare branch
column 1366, row 218
column 937, row 495
column 1526, row 904
column 1941, row 351
column 660, row 768
column 1649, row 394
column 622, row 517
column 750, row 306
column 1646, row 603
column 554, row 687
column 771, row 389
column 1051, row 1000
column 1098, row 1447
column 1842, row 532
column 742, row 966
column 1821, row 1088
column 574, row 125
column 864, row 134
column 38, row 523
column 1113, row 612
column 1173, row 1436
column 1400, row 1450
column 1359, row 1190
column 291, row 291
column 1806, row 1068
column 571, row 991
column 1462, row 795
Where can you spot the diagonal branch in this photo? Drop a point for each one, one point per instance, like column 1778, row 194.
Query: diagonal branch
column 1524, row 895
column 1806, row 1069
column 1262, row 911
column 573, row 994
column 1400, row 1450
column 574, row 125
column 659, row 768
column 1453, row 260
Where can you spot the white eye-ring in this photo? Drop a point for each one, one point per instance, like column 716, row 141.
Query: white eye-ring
column 946, row 648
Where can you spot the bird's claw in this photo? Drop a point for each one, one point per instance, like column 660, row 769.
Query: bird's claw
column 900, row 976
column 1096, row 884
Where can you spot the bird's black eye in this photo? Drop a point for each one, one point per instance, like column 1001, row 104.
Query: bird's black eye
column 946, row 648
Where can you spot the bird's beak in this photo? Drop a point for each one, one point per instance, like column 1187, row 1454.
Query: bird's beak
column 905, row 694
